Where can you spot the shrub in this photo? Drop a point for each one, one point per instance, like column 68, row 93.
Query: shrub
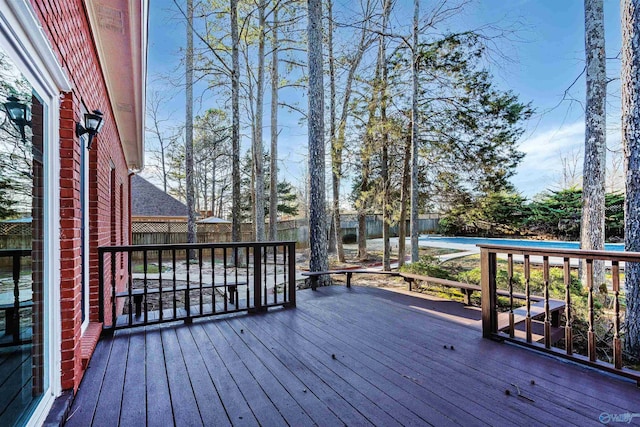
column 427, row 266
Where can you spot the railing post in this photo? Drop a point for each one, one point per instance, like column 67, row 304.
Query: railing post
column 291, row 257
column 488, row 267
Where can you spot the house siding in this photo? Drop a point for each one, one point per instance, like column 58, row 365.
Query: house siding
column 66, row 25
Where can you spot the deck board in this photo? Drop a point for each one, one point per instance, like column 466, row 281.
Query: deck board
column 391, row 367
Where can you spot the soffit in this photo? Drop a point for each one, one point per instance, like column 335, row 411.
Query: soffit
column 119, row 28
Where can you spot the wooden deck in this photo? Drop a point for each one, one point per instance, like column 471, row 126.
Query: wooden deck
column 359, row 356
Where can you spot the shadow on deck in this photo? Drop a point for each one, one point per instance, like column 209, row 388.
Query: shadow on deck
column 358, row 356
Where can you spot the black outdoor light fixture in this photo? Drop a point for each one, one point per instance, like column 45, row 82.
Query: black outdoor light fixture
column 19, row 113
column 92, row 125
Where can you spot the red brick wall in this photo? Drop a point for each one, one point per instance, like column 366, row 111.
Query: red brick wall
column 66, row 25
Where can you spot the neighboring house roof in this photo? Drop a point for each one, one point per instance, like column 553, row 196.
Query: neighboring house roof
column 213, row 220
column 147, row 200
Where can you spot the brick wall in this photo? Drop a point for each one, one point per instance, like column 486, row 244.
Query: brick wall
column 66, row 25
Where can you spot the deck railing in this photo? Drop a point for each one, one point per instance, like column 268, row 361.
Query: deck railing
column 580, row 321
column 141, row 285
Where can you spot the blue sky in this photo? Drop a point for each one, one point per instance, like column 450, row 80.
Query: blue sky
column 539, row 61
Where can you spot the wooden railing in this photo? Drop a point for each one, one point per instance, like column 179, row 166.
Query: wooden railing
column 141, row 285
column 580, row 321
column 11, row 301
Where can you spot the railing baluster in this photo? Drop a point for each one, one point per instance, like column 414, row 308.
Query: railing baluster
column 187, row 299
column 264, row 274
column 225, row 283
column 145, row 284
column 275, row 274
column 200, row 277
column 257, row 277
column 547, row 314
column 617, row 344
column 246, row 274
column 213, row 280
column 568, row 332
column 527, row 287
column 512, row 326
column 173, row 265
column 160, row 291
column 591, row 334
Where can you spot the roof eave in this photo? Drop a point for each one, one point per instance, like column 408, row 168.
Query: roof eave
column 120, row 32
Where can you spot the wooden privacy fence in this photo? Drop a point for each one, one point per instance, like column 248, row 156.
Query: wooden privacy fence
column 588, row 327
column 172, row 232
column 186, row 281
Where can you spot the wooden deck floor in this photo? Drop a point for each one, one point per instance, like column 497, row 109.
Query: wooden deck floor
column 359, row 356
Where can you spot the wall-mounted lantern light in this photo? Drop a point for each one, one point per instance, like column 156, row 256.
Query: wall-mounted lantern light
column 92, row 125
column 19, row 114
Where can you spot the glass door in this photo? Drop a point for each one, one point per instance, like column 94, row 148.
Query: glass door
column 23, row 359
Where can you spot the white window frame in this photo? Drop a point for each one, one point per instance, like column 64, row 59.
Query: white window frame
column 23, row 40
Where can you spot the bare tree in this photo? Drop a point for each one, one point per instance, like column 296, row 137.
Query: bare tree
column 386, row 202
column 631, row 145
column 273, row 167
column 571, row 174
column 317, row 217
column 235, row 124
column 595, row 144
column 191, row 221
column 156, row 127
column 414, row 134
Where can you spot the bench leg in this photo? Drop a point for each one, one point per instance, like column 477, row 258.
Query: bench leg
column 349, row 274
column 137, row 300
column 467, row 296
column 408, row 280
column 233, row 290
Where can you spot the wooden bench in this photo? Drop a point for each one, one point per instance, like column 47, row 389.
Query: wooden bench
column 139, row 293
column 313, row 275
column 536, row 311
column 467, row 289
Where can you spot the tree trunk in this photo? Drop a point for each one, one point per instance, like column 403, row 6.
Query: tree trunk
column 273, row 187
column 235, row 125
column 258, row 151
column 630, row 90
column 414, row 135
column 594, row 169
column 317, row 214
column 362, row 235
column 333, row 245
column 382, row 63
column 402, row 226
column 191, row 221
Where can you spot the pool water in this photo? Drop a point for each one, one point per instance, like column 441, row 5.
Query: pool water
column 547, row 244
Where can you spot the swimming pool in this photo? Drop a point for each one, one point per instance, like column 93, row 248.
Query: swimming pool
column 548, row 244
